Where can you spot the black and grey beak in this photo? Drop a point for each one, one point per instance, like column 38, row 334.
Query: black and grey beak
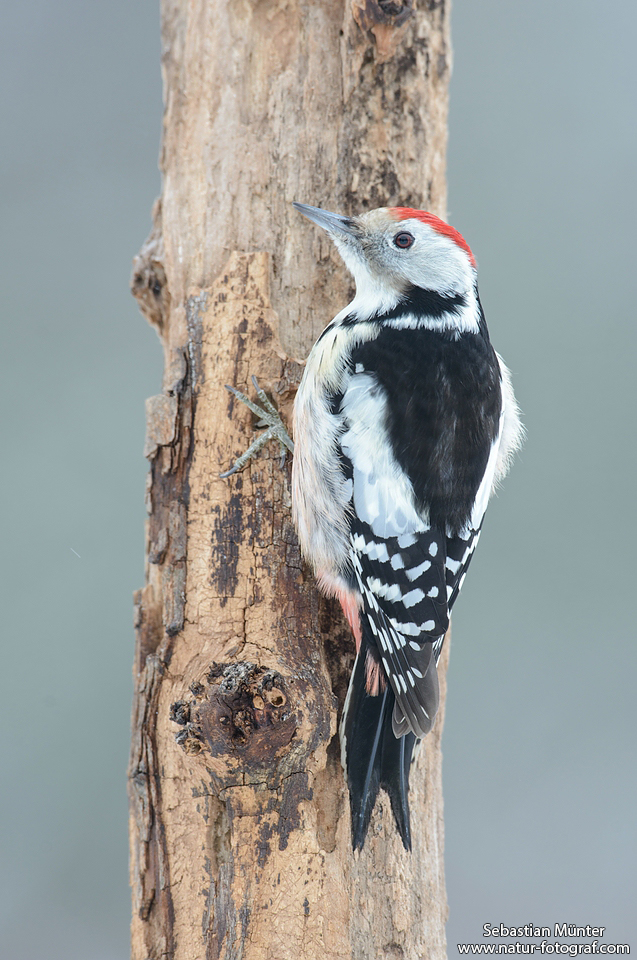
column 334, row 223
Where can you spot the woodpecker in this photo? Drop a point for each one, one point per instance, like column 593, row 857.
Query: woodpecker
column 404, row 423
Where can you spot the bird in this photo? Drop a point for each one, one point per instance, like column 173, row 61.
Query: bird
column 404, row 424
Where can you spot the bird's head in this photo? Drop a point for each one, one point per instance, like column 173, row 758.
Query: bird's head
column 393, row 250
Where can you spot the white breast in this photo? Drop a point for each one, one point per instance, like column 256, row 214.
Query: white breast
column 321, row 496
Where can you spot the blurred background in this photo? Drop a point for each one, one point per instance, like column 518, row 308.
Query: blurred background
column 539, row 768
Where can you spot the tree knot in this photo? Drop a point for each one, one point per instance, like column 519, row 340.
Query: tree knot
column 240, row 713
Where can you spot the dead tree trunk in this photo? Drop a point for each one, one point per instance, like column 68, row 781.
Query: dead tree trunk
column 240, row 835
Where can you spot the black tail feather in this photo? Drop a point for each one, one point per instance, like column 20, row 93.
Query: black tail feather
column 374, row 757
column 394, row 777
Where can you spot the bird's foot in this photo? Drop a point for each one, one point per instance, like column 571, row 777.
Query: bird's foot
column 268, row 417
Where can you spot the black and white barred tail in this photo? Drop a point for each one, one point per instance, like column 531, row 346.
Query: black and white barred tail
column 373, row 757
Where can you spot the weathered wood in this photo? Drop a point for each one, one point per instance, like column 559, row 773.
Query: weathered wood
column 240, row 843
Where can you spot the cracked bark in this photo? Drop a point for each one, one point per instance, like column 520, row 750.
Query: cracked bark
column 240, row 844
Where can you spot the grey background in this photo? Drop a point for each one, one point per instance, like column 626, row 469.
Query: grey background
column 540, row 733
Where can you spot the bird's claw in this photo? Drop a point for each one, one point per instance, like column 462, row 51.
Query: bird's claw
column 268, row 417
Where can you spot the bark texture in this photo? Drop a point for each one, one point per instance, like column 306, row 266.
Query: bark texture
column 240, row 837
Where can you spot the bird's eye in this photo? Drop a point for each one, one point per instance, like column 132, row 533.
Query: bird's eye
column 403, row 240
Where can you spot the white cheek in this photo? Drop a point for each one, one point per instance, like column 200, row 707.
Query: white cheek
column 375, row 291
